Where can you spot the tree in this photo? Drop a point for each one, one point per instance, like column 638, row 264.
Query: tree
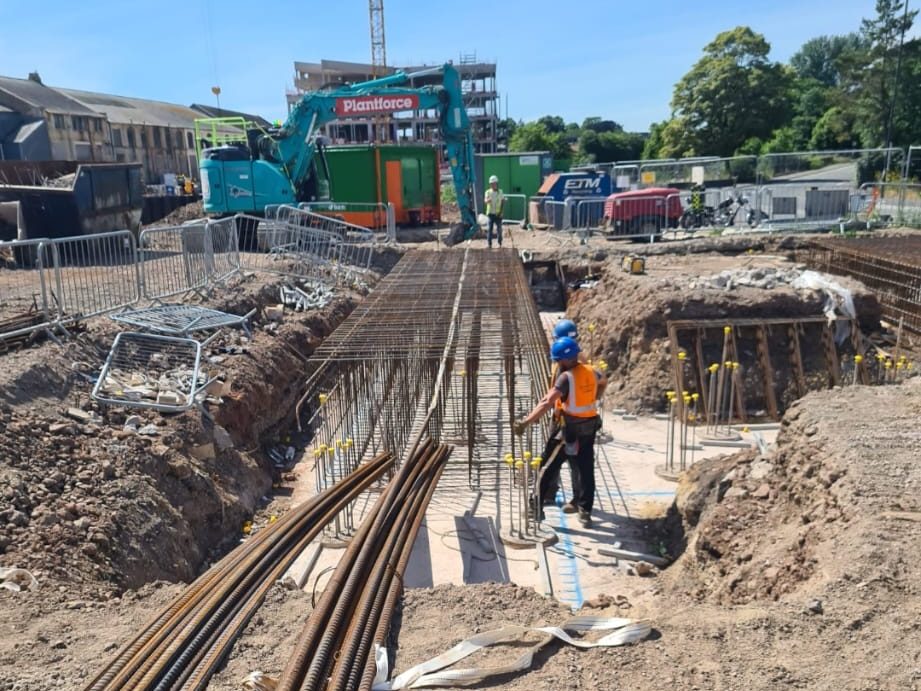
column 552, row 123
column 871, row 82
column 823, row 59
column 534, row 136
column 834, row 130
column 732, row 94
column 653, row 144
column 610, row 146
column 596, row 124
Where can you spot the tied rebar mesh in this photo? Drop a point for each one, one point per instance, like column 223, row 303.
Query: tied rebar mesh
column 449, row 345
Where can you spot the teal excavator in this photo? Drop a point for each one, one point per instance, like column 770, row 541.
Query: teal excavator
column 279, row 166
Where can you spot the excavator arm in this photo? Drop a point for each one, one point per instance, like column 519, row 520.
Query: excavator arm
column 283, row 163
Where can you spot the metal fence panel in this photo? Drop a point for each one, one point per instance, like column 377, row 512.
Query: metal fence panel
column 23, row 289
column 515, row 209
column 224, row 247
column 174, row 260
column 92, row 274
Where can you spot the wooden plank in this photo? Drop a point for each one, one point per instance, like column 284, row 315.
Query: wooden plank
column 677, row 369
column 685, row 324
column 741, row 409
column 701, row 371
column 863, row 374
column 831, row 356
column 767, row 371
column 796, row 360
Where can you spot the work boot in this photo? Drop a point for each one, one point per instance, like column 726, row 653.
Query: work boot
column 585, row 518
column 534, row 509
column 569, row 507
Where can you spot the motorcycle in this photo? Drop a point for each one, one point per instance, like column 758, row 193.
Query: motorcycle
column 730, row 208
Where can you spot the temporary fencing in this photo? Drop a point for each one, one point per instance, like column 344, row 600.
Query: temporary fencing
column 373, row 215
column 515, row 209
column 92, row 274
column 174, row 260
column 48, row 284
column 23, row 289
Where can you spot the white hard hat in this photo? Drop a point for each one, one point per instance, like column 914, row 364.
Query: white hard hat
column 493, row 178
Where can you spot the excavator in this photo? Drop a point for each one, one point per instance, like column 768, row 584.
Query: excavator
column 278, row 166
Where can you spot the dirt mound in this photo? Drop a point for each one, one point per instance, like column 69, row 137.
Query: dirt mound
column 91, row 501
column 836, row 505
column 631, row 313
column 187, row 212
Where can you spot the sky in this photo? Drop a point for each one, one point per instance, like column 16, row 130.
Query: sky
column 578, row 58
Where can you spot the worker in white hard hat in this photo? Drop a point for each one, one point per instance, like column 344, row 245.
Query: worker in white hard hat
column 495, row 200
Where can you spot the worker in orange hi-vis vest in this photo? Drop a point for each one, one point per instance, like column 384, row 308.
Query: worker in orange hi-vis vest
column 578, row 388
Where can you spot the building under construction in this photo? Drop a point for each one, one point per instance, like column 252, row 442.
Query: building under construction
column 478, row 81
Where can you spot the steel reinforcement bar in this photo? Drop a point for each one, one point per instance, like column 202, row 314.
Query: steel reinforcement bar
column 460, row 322
column 184, row 643
column 889, row 266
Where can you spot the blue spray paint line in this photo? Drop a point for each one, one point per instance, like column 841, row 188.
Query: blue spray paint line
column 569, row 568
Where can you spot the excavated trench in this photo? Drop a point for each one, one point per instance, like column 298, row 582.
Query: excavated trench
column 95, row 504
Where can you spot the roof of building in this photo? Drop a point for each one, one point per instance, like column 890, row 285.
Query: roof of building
column 125, row 110
column 42, row 97
column 214, row 112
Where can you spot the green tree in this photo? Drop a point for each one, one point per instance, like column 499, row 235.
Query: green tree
column 552, row 123
column 834, row 130
column 609, row 146
column 534, row 136
column 596, row 124
column 654, row 141
column 871, row 82
column 824, row 58
column 732, row 94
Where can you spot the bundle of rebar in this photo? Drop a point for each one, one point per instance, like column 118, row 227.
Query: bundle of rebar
column 335, row 649
column 182, row 646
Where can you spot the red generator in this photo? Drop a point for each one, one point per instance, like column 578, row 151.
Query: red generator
column 648, row 212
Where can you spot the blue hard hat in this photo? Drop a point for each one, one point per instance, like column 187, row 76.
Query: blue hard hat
column 564, row 348
column 565, row 327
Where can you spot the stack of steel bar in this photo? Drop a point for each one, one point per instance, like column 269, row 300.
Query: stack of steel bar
column 335, row 649
column 464, row 323
column 889, row 266
column 183, row 645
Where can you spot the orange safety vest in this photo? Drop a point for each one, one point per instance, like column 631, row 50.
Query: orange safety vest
column 582, row 400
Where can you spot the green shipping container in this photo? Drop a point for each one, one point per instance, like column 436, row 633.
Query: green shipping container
column 405, row 176
column 519, row 172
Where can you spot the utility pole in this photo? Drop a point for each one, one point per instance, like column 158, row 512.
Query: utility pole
column 895, row 87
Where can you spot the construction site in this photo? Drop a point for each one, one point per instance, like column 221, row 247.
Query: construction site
column 288, row 433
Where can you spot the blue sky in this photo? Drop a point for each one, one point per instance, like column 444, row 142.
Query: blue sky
column 579, row 58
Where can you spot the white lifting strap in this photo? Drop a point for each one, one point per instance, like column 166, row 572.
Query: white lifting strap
column 428, row 674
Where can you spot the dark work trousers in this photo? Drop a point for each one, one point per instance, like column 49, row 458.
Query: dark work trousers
column 583, row 474
column 550, row 479
column 494, row 220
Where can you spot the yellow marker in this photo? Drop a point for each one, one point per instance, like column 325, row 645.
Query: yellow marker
column 745, row 430
column 899, row 365
column 316, row 453
column 727, row 329
column 669, row 393
column 348, row 441
column 714, row 368
column 858, row 358
column 322, row 448
column 690, row 417
column 682, row 355
column 323, row 398
column 535, row 464
column 338, row 443
column 695, row 396
column 728, row 364
column 462, row 373
column 538, row 459
column 888, row 364
column 591, row 328
column 909, row 365
column 272, row 519
column 247, row 527
column 519, row 464
column 527, row 455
